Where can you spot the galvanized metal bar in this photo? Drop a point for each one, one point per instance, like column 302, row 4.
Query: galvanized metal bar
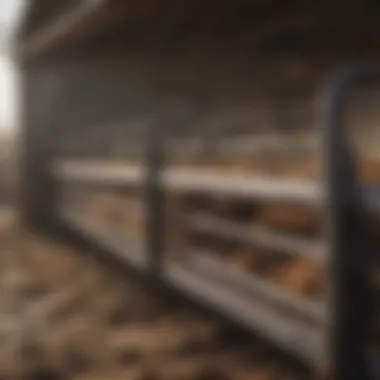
column 219, row 182
column 348, row 239
column 205, row 263
column 291, row 335
column 99, row 172
column 242, row 300
column 127, row 248
column 194, row 180
column 292, row 245
column 154, row 196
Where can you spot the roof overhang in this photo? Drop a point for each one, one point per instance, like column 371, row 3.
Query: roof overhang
column 58, row 24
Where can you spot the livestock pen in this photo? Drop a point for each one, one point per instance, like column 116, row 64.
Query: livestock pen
column 206, row 146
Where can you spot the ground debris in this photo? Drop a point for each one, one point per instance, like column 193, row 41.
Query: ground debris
column 63, row 316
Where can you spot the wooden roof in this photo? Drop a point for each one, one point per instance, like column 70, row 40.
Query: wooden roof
column 50, row 24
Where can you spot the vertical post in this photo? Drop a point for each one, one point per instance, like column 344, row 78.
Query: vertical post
column 349, row 242
column 155, row 155
column 37, row 190
column 155, row 208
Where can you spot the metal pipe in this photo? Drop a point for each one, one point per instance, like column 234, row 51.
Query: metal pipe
column 193, row 180
column 209, row 181
column 204, row 262
column 295, row 246
column 347, row 235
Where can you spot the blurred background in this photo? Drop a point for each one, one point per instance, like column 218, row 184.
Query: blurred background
column 182, row 141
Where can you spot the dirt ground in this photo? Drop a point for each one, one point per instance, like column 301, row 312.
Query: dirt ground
column 63, row 316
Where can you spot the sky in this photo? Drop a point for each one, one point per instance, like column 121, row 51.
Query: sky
column 10, row 12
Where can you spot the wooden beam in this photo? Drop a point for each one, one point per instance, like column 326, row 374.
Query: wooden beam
column 76, row 24
column 299, row 20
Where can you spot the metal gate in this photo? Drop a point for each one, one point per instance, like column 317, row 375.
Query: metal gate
column 186, row 217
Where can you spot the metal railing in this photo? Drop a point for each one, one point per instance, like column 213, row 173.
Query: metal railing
column 293, row 322
column 349, row 241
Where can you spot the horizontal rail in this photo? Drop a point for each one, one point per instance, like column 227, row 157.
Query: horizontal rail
column 295, row 336
column 110, row 240
column 204, row 262
column 254, row 235
column 92, row 171
column 221, row 182
column 224, row 145
column 193, row 180
column 292, row 336
column 295, row 246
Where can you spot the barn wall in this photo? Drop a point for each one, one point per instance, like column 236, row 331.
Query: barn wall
column 81, row 100
column 208, row 84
